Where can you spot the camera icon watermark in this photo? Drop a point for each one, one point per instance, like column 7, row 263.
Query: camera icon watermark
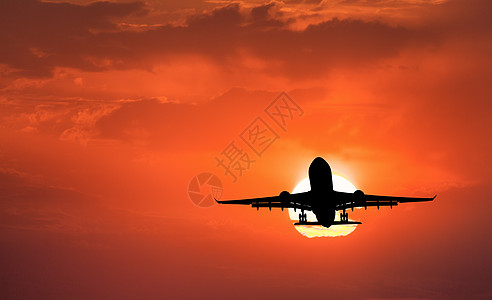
column 204, row 188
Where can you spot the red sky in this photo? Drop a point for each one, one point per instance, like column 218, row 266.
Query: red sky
column 108, row 110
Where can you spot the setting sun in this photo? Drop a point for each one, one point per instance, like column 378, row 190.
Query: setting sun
column 340, row 184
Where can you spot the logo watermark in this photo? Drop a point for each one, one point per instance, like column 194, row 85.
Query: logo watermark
column 239, row 155
column 204, row 188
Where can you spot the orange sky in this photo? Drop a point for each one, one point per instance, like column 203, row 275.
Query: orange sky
column 108, row 110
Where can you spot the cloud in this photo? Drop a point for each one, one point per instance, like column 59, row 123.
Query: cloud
column 69, row 120
column 84, row 122
column 41, row 36
column 166, row 125
column 38, row 36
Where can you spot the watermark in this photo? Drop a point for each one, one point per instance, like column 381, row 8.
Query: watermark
column 283, row 109
column 204, row 188
column 239, row 155
column 234, row 161
column 259, row 136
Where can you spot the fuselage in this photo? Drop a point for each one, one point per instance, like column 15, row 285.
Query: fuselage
column 322, row 193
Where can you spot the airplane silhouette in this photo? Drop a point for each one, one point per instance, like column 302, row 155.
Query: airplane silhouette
column 322, row 200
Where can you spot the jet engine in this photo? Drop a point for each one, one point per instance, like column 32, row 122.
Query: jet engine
column 358, row 195
column 359, row 198
column 284, row 195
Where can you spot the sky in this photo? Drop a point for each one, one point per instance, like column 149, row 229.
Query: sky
column 108, row 111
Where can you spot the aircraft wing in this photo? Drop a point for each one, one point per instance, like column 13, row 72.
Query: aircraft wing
column 284, row 200
column 351, row 200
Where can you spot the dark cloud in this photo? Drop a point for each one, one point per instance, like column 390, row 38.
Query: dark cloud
column 333, row 43
column 42, row 36
column 39, row 36
column 267, row 16
column 261, row 12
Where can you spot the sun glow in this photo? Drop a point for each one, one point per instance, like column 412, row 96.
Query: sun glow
column 340, row 184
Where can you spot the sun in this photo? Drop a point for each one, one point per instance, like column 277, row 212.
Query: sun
column 340, row 184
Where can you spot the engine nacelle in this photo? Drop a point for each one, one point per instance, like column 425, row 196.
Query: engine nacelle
column 359, row 198
column 284, row 195
column 358, row 194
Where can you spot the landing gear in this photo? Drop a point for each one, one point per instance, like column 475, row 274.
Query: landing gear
column 302, row 217
column 344, row 216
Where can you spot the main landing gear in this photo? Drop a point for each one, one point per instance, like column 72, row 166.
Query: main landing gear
column 344, row 216
column 302, row 217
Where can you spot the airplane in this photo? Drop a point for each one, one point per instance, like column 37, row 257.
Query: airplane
column 322, row 200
